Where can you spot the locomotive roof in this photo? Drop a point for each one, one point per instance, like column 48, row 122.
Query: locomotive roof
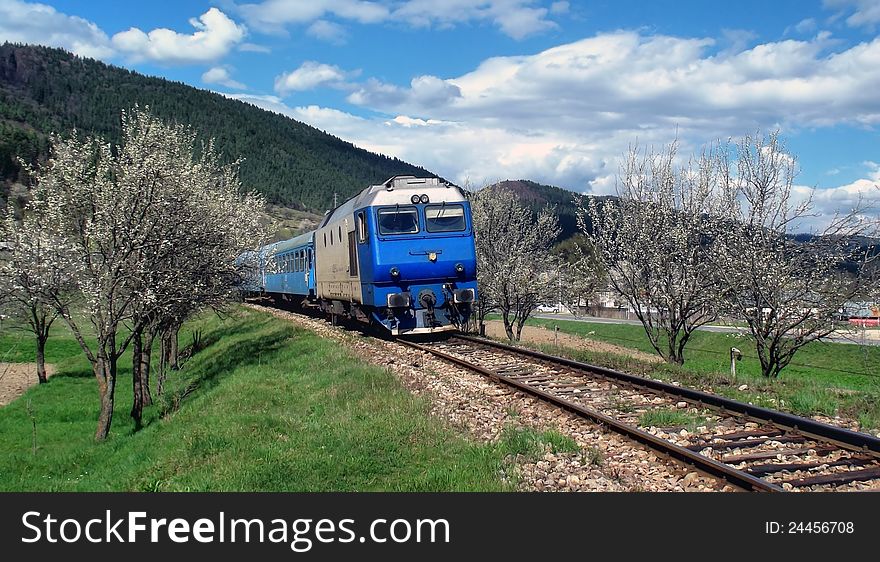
column 397, row 191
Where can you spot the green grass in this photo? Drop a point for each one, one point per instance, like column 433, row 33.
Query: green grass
column 532, row 443
column 825, row 378
column 266, row 406
column 663, row 417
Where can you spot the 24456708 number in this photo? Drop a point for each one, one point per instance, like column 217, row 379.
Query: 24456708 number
column 809, row 527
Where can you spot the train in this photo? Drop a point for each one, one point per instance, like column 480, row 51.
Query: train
column 398, row 255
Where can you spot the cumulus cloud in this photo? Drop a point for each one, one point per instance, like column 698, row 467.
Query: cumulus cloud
column 862, row 13
column 873, row 171
column 425, row 93
column 559, row 7
column 807, row 25
column 828, row 202
column 271, row 16
column 620, row 80
column 328, row 31
column 310, row 75
column 565, row 115
column 515, row 18
column 23, row 22
column 254, row 48
column 216, row 34
column 220, row 75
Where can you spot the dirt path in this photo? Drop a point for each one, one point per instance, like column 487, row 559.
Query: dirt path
column 535, row 334
column 15, row 378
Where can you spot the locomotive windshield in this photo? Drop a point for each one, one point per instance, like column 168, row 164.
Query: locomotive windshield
column 444, row 218
column 398, row 220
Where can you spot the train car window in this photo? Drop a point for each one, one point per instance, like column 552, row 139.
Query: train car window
column 362, row 227
column 444, row 218
column 296, row 261
column 398, row 220
column 331, row 237
column 325, row 239
column 309, row 267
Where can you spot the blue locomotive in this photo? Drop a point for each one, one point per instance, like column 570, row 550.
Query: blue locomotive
column 399, row 254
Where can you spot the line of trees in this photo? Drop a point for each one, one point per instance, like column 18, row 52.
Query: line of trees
column 715, row 236
column 124, row 243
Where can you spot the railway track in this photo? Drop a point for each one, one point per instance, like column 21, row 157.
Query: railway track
column 752, row 448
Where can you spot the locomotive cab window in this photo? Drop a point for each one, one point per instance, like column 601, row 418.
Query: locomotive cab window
column 398, row 220
column 444, row 218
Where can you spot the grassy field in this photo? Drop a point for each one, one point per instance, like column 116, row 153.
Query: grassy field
column 825, row 378
column 266, row 406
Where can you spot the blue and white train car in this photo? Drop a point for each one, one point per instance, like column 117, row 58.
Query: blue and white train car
column 290, row 269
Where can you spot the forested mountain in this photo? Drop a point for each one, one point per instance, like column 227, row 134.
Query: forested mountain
column 44, row 90
column 536, row 196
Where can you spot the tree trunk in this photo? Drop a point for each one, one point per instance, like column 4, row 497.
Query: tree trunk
column 175, row 351
column 137, row 406
column 41, row 359
column 508, row 326
column 146, row 360
column 164, row 360
column 105, row 371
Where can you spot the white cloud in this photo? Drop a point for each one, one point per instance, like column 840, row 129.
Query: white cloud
column 805, row 25
column 23, row 22
column 626, row 80
column 328, row 31
column 254, row 48
column 565, row 115
column 271, row 16
column 515, row 18
column 220, row 75
column 559, row 7
column 425, row 93
column 829, row 201
column 216, row 34
column 862, row 13
column 310, row 75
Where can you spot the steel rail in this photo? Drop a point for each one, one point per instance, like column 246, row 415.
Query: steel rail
column 845, row 438
column 705, row 464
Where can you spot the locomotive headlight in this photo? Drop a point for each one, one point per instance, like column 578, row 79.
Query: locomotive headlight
column 415, row 199
column 459, row 268
column 394, row 272
column 424, row 199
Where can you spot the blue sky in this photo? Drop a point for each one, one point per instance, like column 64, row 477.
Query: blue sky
column 481, row 90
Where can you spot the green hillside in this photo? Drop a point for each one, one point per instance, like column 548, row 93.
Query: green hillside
column 44, row 90
column 536, row 196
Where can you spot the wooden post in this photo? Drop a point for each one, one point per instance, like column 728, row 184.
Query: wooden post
column 735, row 355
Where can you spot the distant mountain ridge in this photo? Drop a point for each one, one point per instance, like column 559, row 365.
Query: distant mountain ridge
column 45, row 90
column 537, row 196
